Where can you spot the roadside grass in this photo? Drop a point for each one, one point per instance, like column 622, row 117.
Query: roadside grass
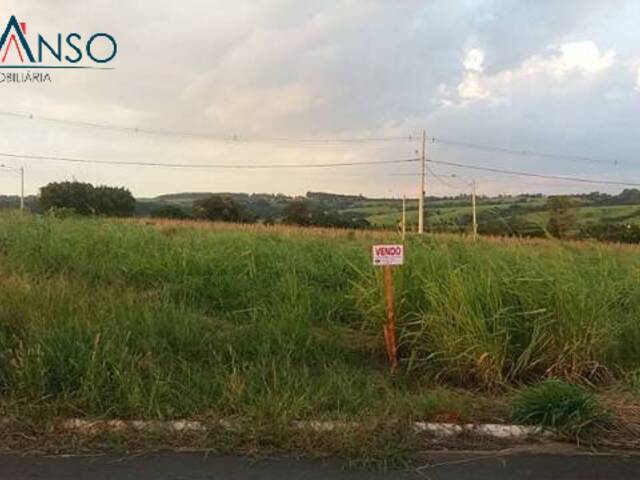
column 567, row 409
column 168, row 320
column 379, row 445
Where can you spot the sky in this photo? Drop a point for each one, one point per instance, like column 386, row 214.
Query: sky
column 543, row 75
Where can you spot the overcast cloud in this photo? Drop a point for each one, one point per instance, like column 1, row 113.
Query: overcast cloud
column 558, row 76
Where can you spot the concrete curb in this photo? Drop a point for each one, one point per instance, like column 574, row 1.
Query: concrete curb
column 441, row 430
column 512, row 432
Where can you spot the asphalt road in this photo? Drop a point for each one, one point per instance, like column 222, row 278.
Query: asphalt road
column 173, row 466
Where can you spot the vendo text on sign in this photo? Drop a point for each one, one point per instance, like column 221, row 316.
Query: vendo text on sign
column 388, row 255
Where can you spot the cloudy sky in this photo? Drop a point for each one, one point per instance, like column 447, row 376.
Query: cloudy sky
column 545, row 75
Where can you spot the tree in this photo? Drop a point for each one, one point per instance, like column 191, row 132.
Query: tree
column 85, row 199
column 562, row 216
column 113, row 201
column 303, row 213
column 611, row 232
column 628, row 196
column 297, row 212
column 218, row 208
column 74, row 196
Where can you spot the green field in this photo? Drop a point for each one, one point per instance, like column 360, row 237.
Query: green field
column 103, row 318
column 613, row 213
column 443, row 211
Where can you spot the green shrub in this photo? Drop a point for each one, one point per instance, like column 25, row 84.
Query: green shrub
column 567, row 409
column 86, row 199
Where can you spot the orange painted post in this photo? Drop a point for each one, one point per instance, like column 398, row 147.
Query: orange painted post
column 390, row 327
column 387, row 257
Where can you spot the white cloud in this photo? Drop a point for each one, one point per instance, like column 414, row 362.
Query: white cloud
column 638, row 78
column 582, row 58
column 472, row 88
column 581, row 61
column 474, row 61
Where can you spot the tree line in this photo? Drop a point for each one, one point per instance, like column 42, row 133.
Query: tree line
column 327, row 210
column 76, row 198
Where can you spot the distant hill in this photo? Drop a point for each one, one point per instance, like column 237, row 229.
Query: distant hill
column 180, row 197
column 524, row 214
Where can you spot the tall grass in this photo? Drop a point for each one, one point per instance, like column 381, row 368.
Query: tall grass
column 125, row 319
column 488, row 314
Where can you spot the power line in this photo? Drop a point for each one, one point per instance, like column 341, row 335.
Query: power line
column 523, row 174
column 238, row 139
column 441, row 180
column 535, row 175
column 218, row 138
column 206, row 165
column 525, row 153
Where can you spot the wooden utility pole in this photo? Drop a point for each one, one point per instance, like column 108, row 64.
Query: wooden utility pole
column 22, row 188
column 423, row 161
column 404, row 217
column 475, row 216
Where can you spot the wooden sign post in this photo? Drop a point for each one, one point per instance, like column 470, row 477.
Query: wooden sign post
column 387, row 257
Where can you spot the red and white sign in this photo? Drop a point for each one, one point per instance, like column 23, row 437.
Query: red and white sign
column 388, row 255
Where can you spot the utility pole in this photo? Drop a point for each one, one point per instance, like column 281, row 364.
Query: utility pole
column 21, row 171
column 423, row 161
column 473, row 204
column 404, row 217
column 22, row 188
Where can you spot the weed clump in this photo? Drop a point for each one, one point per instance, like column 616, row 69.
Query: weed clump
column 564, row 408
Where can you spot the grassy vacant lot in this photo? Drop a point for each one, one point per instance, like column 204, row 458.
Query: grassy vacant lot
column 168, row 320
